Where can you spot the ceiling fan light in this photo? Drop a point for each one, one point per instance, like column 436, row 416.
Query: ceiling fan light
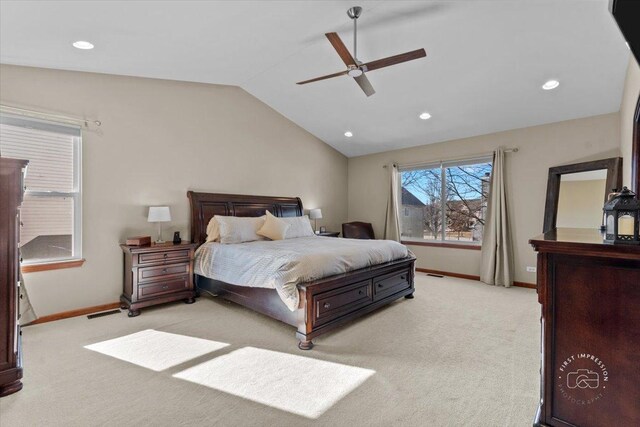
column 348, row 134
column 355, row 72
column 551, row 84
column 425, row 116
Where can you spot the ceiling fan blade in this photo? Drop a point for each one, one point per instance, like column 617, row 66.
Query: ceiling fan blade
column 364, row 84
column 396, row 59
column 341, row 73
column 342, row 50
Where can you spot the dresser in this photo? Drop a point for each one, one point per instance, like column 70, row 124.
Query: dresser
column 590, row 349
column 157, row 273
column 11, row 193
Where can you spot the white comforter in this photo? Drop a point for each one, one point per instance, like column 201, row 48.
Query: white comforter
column 282, row 264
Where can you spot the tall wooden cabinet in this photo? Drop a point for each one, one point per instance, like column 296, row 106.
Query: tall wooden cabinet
column 11, row 192
column 590, row 296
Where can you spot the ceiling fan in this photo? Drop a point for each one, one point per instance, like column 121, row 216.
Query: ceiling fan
column 357, row 69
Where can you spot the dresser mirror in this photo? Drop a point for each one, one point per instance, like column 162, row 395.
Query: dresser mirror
column 576, row 193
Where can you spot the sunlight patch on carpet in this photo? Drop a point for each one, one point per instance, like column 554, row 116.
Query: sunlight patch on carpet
column 156, row 350
column 296, row 384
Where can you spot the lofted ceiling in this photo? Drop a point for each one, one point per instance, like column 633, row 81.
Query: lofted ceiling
column 485, row 64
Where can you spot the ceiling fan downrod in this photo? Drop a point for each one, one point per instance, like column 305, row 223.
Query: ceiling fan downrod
column 354, row 13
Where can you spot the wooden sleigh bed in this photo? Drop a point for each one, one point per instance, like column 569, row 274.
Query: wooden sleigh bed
column 324, row 303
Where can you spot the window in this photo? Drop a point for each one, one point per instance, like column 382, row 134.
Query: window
column 51, row 210
column 446, row 201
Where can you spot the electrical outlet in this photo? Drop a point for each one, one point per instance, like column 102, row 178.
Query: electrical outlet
column 531, row 269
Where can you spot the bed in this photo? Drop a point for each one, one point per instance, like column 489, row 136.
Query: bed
column 323, row 304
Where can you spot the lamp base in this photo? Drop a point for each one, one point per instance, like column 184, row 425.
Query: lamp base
column 159, row 239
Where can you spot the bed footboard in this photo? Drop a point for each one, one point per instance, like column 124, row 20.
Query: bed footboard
column 326, row 303
column 337, row 300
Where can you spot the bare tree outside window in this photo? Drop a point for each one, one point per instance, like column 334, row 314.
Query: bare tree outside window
column 426, row 204
column 456, row 212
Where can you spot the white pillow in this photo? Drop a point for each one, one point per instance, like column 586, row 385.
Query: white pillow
column 235, row 229
column 274, row 228
column 300, row 227
column 213, row 230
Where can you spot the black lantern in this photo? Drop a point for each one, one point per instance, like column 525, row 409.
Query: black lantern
column 622, row 218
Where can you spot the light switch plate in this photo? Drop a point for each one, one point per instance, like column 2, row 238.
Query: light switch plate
column 531, row 269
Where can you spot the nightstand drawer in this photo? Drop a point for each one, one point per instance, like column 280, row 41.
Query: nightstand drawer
column 146, row 274
column 166, row 257
column 164, row 287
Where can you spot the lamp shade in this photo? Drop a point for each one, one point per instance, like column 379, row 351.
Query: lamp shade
column 159, row 214
column 315, row 213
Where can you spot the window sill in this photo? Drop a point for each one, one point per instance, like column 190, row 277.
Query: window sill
column 442, row 244
column 52, row 266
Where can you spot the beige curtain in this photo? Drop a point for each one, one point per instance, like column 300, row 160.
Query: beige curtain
column 392, row 224
column 497, row 250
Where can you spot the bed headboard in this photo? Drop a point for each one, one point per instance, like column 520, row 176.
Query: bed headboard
column 205, row 205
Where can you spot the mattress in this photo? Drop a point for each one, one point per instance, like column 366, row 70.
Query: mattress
column 282, row 264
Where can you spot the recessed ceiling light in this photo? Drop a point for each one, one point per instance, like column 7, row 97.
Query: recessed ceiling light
column 425, row 116
column 348, row 134
column 80, row 44
column 551, row 84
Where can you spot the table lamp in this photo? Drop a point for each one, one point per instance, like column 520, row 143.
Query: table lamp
column 315, row 215
column 159, row 214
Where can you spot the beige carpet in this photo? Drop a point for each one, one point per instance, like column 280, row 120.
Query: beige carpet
column 460, row 354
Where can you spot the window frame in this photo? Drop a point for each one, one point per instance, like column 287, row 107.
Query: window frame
column 442, row 165
column 75, row 131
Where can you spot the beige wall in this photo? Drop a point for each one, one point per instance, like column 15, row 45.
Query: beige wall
column 540, row 148
column 580, row 203
column 627, row 112
column 159, row 139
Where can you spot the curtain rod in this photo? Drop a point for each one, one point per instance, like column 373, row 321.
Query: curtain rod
column 507, row 150
column 46, row 115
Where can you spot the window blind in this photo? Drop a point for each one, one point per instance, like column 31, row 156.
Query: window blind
column 50, row 157
column 50, row 212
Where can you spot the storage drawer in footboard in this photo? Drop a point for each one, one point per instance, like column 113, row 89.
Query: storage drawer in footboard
column 389, row 284
column 332, row 304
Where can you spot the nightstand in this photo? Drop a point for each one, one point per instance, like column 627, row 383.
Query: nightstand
column 329, row 234
column 157, row 273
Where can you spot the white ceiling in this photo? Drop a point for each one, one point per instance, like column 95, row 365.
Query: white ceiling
column 486, row 60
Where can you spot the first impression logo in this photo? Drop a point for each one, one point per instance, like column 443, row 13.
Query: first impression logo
column 582, row 378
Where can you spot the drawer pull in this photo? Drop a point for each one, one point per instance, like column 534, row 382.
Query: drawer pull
column 380, row 285
column 165, row 287
column 402, row 277
column 327, row 305
column 360, row 292
column 164, row 270
column 166, row 255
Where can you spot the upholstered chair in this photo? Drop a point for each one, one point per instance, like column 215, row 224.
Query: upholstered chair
column 357, row 230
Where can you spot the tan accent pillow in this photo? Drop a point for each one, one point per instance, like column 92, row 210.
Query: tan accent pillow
column 213, row 230
column 274, row 228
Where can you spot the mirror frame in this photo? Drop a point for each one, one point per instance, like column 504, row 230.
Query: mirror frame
column 614, row 181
